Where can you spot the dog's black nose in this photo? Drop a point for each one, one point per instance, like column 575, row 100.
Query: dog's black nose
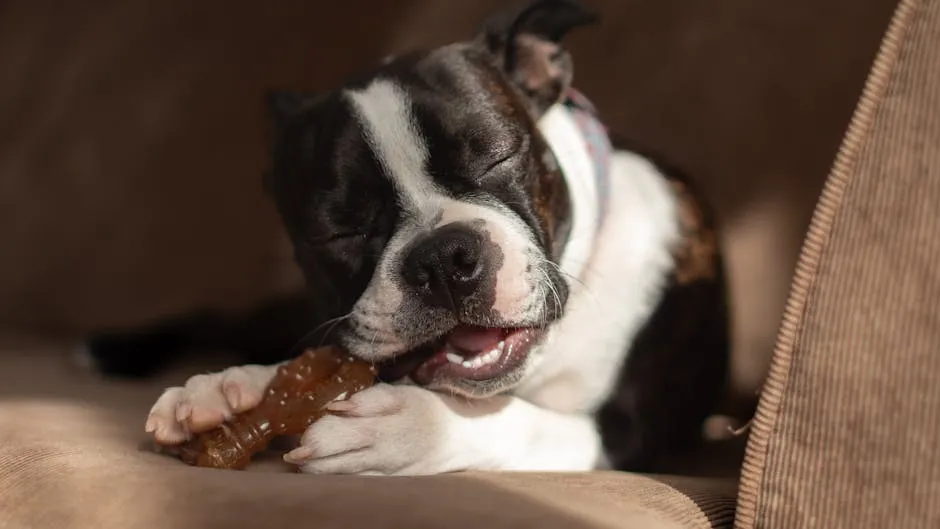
column 447, row 266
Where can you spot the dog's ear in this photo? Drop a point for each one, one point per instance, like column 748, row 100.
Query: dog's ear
column 525, row 41
column 281, row 107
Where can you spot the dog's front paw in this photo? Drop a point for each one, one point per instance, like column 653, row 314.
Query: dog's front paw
column 205, row 401
column 383, row 430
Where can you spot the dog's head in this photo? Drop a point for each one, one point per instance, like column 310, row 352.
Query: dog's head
column 423, row 203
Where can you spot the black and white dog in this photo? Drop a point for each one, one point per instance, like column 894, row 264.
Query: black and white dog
column 540, row 298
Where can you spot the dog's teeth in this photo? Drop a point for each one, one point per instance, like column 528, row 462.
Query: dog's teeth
column 474, row 362
column 455, row 358
column 495, row 353
column 479, row 360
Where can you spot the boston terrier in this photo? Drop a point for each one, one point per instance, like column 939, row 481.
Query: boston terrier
column 538, row 295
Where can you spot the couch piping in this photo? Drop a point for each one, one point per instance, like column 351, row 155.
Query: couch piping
column 765, row 418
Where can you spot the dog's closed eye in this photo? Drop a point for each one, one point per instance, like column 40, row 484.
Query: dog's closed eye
column 493, row 165
column 505, row 153
column 340, row 236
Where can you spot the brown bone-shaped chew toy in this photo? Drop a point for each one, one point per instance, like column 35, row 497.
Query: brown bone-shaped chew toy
column 295, row 398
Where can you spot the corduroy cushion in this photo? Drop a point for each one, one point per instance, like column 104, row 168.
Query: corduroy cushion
column 72, row 455
column 847, row 430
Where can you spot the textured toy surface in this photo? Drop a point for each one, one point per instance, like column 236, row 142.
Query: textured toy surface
column 296, row 397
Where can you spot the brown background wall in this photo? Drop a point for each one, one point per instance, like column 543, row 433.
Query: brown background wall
column 131, row 138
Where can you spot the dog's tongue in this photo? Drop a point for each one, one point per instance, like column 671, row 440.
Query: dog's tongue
column 474, row 339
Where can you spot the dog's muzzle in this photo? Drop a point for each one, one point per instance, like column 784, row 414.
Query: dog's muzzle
column 451, row 268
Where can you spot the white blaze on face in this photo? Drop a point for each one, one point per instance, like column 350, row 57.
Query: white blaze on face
column 384, row 112
column 392, row 132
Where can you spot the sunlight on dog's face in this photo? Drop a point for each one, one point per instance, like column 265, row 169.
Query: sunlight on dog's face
column 435, row 210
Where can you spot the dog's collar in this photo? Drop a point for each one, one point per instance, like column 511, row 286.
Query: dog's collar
column 597, row 140
column 582, row 148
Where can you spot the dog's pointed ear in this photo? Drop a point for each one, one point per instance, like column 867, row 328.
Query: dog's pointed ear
column 525, row 41
column 281, row 107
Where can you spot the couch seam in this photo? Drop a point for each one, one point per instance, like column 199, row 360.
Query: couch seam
column 815, row 243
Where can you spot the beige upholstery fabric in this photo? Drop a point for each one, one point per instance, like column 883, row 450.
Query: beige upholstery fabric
column 847, row 431
column 72, row 456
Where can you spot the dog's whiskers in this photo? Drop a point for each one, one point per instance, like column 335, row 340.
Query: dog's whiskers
column 563, row 273
column 584, row 287
column 554, row 290
column 332, row 323
column 546, row 285
column 303, row 339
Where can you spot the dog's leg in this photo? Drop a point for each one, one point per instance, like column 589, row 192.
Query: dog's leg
column 266, row 334
column 407, row 430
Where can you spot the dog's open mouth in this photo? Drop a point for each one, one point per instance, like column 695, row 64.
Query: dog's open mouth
column 466, row 352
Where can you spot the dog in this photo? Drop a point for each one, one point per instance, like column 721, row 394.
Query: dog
column 539, row 294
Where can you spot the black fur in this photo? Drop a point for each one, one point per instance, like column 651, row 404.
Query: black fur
column 271, row 332
column 676, row 372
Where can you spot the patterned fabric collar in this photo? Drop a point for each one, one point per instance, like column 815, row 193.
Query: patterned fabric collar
column 596, row 137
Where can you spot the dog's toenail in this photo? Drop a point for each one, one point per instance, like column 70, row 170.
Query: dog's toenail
column 151, row 425
column 299, row 455
column 184, row 411
column 233, row 395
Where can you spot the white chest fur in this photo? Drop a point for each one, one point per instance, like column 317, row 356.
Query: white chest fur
column 566, row 140
column 619, row 271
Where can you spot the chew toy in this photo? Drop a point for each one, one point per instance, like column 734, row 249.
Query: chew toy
column 296, row 397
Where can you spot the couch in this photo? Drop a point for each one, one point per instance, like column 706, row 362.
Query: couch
column 833, row 134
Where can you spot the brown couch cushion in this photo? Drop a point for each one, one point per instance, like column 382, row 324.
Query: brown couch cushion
column 72, row 455
column 847, row 429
